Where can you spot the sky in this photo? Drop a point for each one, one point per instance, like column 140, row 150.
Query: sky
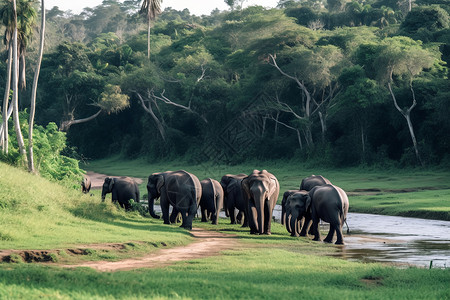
column 202, row 7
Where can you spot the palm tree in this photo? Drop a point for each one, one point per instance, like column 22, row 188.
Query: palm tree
column 26, row 20
column 150, row 9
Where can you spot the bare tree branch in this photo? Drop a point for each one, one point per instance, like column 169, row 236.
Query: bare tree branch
column 290, row 127
column 149, row 110
column 166, row 100
column 65, row 125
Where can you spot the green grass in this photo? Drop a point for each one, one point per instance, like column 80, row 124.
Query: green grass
column 37, row 214
column 262, row 273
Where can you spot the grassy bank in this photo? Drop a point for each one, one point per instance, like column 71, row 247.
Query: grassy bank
column 411, row 192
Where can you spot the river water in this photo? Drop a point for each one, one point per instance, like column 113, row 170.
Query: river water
column 389, row 239
column 397, row 240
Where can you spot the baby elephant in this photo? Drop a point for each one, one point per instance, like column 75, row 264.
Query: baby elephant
column 123, row 190
column 86, row 184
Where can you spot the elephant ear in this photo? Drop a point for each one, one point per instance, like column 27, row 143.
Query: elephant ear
column 245, row 187
column 111, row 184
column 159, row 183
column 308, row 202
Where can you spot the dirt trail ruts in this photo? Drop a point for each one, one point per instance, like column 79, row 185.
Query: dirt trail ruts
column 208, row 243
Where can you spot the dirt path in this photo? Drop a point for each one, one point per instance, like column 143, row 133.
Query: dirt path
column 207, row 243
column 97, row 179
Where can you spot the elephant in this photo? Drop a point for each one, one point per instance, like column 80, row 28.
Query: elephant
column 314, row 180
column 297, row 209
column 283, row 204
column 180, row 189
column 86, row 184
column 234, row 198
column 261, row 189
column 330, row 204
column 123, row 189
column 211, row 202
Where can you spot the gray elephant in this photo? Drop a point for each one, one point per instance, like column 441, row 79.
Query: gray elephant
column 122, row 189
column 296, row 206
column 234, row 198
column 306, row 185
column 283, row 204
column 86, row 184
column 261, row 189
column 211, row 202
column 314, row 180
column 329, row 203
column 180, row 189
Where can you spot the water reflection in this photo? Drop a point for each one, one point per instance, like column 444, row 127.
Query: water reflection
column 400, row 240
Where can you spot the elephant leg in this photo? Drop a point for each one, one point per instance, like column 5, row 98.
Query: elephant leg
column 239, row 217
column 306, row 226
column 232, row 215
column 329, row 238
column 315, row 230
column 174, row 215
column 268, row 219
column 165, row 211
column 340, row 239
column 187, row 220
column 245, row 216
column 204, row 214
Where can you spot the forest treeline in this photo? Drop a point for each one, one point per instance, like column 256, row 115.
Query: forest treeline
column 336, row 82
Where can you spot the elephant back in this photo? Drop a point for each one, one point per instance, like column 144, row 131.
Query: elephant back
column 312, row 181
column 189, row 182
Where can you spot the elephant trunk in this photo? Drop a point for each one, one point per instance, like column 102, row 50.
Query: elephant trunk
column 293, row 224
column 260, row 213
column 151, row 209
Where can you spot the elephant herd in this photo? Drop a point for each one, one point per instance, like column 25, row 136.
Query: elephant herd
column 248, row 199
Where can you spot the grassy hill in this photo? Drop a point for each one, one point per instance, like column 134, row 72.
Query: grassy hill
column 38, row 214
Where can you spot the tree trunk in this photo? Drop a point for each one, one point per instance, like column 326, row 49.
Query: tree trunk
column 407, row 114
column 22, row 73
column 6, row 114
column 148, row 39
column 16, row 120
column 363, row 144
column 323, row 126
column 34, row 90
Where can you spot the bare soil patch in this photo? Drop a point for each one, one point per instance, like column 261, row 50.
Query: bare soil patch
column 97, row 179
column 207, row 243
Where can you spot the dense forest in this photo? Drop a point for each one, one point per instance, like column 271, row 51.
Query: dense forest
column 331, row 82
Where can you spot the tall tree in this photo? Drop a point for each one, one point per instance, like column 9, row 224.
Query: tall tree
column 150, row 9
column 34, row 90
column 399, row 62
column 15, row 101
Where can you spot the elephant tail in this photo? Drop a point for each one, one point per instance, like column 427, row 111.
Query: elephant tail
column 348, row 228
